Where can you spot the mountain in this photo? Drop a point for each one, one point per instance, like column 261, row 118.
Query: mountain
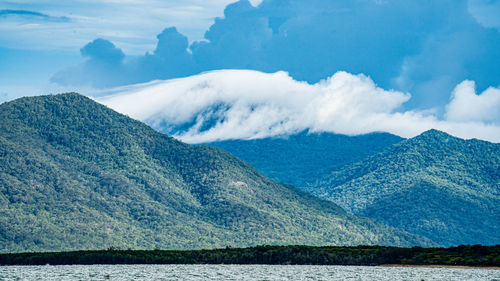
column 75, row 174
column 304, row 158
column 434, row 185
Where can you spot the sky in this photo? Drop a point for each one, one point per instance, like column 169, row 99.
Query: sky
column 429, row 63
column 40, row 38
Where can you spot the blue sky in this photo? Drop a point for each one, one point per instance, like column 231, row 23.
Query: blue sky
column 39, row 38
column 421, row 48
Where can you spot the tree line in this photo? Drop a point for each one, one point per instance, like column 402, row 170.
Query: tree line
column 463, row 255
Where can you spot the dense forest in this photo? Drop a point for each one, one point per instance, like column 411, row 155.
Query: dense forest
column 76, row 175
column 435, row 185
column 476, row 255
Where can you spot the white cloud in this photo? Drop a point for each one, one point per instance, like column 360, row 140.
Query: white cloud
column 466, row 105
column 245, row 104
column 255, row 3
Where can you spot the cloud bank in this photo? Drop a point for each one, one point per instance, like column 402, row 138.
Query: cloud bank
column 245, row 104
column 422, row 47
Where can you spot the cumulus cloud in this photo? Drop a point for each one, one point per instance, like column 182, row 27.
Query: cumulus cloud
column 102, row 50
column 244, row 104
column 106, row 65
column 466, row 105
column 423, row 47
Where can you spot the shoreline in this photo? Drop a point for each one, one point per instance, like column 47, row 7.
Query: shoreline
column 475, row 256
column 252, row 264
column 440, row 266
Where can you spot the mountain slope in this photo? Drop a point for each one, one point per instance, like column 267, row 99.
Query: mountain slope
column 77, row 175
column 435, row 185
column 304, row 158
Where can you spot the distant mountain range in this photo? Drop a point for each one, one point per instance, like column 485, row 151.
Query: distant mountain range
column 434, row 185
column 304, row 158
column 75, row 174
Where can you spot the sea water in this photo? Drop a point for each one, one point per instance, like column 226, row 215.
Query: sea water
column 241, row 272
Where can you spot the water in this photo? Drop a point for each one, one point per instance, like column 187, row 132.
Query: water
column 240, row 272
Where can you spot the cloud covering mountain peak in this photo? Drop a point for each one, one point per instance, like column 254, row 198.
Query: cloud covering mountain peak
column 246, row 104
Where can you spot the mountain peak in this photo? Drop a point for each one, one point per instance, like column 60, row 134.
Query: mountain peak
column 434, row 185
column 434, row 133
column 61, row 108
column 75, row 174
column 433, row 136
column 68, row 95
column 52, row 104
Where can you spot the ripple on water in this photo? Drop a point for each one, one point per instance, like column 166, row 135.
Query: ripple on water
column 241, row 272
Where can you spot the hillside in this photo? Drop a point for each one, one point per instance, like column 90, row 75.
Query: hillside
column 75, row 174
column 304, row 158
column 435, row 185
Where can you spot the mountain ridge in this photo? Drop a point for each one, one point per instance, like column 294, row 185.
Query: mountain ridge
column 435, row 185
column 304, row 158
column 75, row 174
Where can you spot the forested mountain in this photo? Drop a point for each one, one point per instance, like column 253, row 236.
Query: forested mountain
column 304, row 158
column 435, row 185
column 75, row 174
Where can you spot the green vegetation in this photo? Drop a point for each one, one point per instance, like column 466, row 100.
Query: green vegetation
column 75, row 174
column 305, row 158
column 476, row 255
column 434, row 185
